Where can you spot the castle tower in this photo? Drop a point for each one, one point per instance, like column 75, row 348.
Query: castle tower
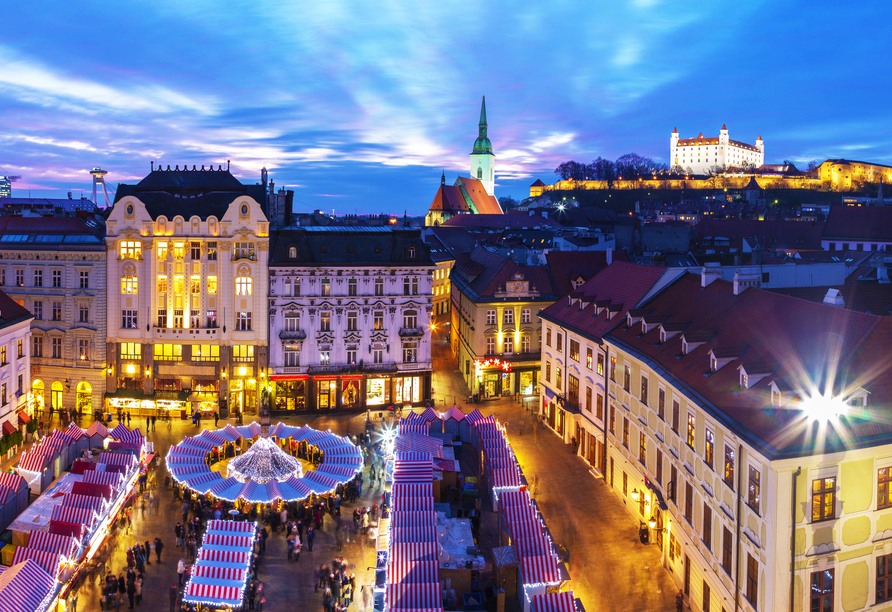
column 673, row 147
column 761, row 146
column 482, row 157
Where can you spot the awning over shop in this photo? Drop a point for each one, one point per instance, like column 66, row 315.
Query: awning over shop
column 23, row 418
column 288, row 377
column 136, row 394
column 8, row 428
column 177, row 396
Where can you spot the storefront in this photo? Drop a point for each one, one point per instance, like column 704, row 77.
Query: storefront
column 205, row 396
column 242, row 396
column 326, row 392
column 494, row 378
column 408, row 390
column 377, row 391
column 289, row 393
column 350, row 392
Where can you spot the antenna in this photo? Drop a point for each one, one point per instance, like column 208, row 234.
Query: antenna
column 99, row 179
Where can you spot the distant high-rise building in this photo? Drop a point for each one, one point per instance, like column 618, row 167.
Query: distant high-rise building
column 5, row 187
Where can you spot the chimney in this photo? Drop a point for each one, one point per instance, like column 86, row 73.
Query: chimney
column 834, row 298
column 748, row 277
column 544, row 214
column 711, row 271
column 609, row 255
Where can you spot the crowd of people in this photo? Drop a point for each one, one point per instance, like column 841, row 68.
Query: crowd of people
column 128, row 584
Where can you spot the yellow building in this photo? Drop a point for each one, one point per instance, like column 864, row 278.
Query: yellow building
column 747, row 432
column 847, row 174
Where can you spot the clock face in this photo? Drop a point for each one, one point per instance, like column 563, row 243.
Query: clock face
column 244, row 209
column 130, row 209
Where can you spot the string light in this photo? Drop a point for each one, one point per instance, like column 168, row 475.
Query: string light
column 264, row 462
column 217, row 603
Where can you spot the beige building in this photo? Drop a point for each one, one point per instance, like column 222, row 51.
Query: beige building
column 844, row 174
column 746, row 432
column 187, row 288
column 15, row 368
column 55, row 267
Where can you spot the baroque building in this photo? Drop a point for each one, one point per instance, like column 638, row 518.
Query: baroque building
column 16, row 400
column 55, row 267
column 349, row 318
column 187, row 284
column 700, row 154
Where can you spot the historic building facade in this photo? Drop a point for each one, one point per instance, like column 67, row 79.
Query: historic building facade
column 187, row 286
column 349, row 318
column 700, row 154
column 55, row 267
column 16, row 400
column 744, row 431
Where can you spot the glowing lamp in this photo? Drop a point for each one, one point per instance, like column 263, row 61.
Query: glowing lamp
column 652, row 522
column 824, row 407
column 242, row 370
column 635, row 494
column 131, row 369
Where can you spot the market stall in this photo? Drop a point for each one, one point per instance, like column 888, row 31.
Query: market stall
column 26, row 587
column 221, row 568
column 14, row 495
column 466, row 427
column 452, row 422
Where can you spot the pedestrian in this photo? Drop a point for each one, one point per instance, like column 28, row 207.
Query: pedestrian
column 158, row 547
column 178, row 531
column 216, row 418
column 296, row 549
column 252, row 593
column 327, row 601
column 366, row 597
column 185, row 511
column 147, row 551
column 259, row 595
column 181, row 569
column 311, row 535
column 679, row 601
column 283, row 515
column 139, row 581
column 174, row 593
column 131, row 593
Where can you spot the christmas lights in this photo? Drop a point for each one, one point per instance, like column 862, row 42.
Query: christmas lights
column 264, row 462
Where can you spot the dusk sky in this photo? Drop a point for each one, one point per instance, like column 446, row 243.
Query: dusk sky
column 359, row 106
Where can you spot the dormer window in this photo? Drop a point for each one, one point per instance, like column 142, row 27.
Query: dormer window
column 292, row 252
column 775, row 398
column 744, row 380
column 714, row 364
column 410, row 252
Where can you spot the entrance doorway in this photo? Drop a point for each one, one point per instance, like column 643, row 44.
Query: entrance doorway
column 56, row 396
column 687, row 575
column 490, row 385
column 84, row 398
column 37, row 398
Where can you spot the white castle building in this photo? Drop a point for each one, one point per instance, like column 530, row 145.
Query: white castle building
column 700, row 153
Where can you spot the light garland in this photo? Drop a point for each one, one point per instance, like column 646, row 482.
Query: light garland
column 218, row 603
column 264, row 462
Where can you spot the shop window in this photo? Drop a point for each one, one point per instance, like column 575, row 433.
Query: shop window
column 377, row 391
column 130, row 350
column 205, row 352
column 168, row 352
column 243, row 353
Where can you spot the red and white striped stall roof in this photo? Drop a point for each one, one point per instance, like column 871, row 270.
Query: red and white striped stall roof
column 97, row 429
column 219, row 573
column 229, row 541
column 75, row 432
column 51, row 542
column 430, row 415
column 525, row 529
column 413, row 571
column 125, row 460
column 515, row 498
column 412, row 456
column 111, row 479
column 61, row 436
column 75, row 516
column 198, row 443
column 88, row 502
column 408, row 519
column 317, row 436
column 13, row 481
column 339, row 472
column 322, row 479
column 23, row 586
column 213, row 437
column 413, row 472
column 230, row 595
column 413, row 423
column 224, row 556
column 413, row 551
column 413, row 490
column 532, row 544
column 48, row 561
column 413, row 504
column 130, row 436
column 414, row 596
column 33, row 461
column 231, row 433
column 414, row 533
column 335, row 442
column 542, row 569
column 518, row 513
column 189, row 469
column 184, row 459
column 189, row 451
column 474, row 416
column 229, row 527
column 555, row 602
column 505, row 478
column 408, row 442
column 455, row 414
column 342, row 451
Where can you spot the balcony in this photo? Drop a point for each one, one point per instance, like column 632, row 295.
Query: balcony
column 411, row 331
column 188, row 333
column 519, row 356
column 292, row 334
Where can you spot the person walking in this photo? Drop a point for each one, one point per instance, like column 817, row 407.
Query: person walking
column 366, row 597
column 181, row 570
column 138, row 583
column 131, row 592
column 296, row 550
column 259, row 596
column 216, row 418
column 252, row 594
column 174, row 593
column 158, row 547
column 311, row 535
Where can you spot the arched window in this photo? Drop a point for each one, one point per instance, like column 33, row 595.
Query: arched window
column 56, row 396
column 292, row 252
column 129, row 281
column 410, row 319
column 84, row 398
column 244, row 284
column 37, row 397
column 410, row 252
column 479, row 173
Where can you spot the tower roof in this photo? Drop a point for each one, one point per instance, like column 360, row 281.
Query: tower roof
column 482, row 146
column 675, row 130
column 724, row 127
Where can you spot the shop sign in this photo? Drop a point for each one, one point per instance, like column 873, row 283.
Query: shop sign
column 492, row 363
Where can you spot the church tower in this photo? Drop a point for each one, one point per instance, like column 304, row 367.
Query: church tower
column 482, row 158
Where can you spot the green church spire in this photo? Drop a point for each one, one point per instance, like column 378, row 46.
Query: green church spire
column 482, row 145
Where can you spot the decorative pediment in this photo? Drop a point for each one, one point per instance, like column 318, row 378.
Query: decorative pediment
column 325, row 338
column 353, row 337
column 291, row 306
column 379, row 337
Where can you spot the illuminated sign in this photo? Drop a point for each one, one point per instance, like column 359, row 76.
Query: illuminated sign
column 492, row 363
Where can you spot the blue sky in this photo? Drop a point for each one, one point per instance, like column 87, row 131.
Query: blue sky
column 358, row 106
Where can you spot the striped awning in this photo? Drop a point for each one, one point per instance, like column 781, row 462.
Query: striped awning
column 474, row 416
column 204, row 445
column 229, row 527
column 408, row 519
column 97, row 429
column 409, row 442
column 75, row 516
column 533, row 543
column 180, row 450
column 33, row 461
column 188, row 469
column 61, row 436
column 338, row 472
column 111, row 479
column 413, row 551
column 322, row 479
column 413, row 424
column 23, row 586
column 51, row 542
column 541, row 569
column 430, row 415
column 413, row 472
column 219, row 573
column 413, row 504
column 88, row 502
column 554, row 602
column 230, row 433
column 225, row 556
column 176, row 460
column 13, row 481
column 48, row 561
column 415, row 533
column 505, row 478
column 228, row 541
column 196, row 592
column 413, row 490
column 294, row 489
column 455, row 414
column 515, row 498
column 342, row 451
column 334, row 442
column 250, row 430
column 213, row 437
column 517, row 513
column 203, row 482
column 130, row 436
column 75, row 432
column 125, row 460
column 414, row 596
column 413, row 571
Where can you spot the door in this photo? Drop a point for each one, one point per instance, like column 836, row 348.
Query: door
column 687, row 575
column 490, row 386
column 56, row 396
column 660, row 529
column 611, row 472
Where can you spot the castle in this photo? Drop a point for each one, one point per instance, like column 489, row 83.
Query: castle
column 697, row 155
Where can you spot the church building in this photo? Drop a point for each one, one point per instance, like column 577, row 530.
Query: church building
column 474, row 195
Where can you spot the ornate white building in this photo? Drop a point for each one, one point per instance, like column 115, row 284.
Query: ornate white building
column 15, row 369
column 187, row 284
column 700, row 154
column 349, row 318
column 55, row 268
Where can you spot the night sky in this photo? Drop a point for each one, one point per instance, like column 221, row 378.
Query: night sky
column 359, row 106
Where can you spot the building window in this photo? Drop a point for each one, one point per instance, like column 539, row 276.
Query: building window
column 589, row 358
column 626, row 432
column 244, row 250
column 379, row 319
column 130, row 250
column 599, row 412
column 573, row 390
column 195, row 250
column 490, row 317
column 211, row 318
column 709, row 451
column 823, row 499
column 508, row 316
column 410, row 319
column 557, row 377
column 57, row 348
column 410, row 352
column 38, row 278
column 525, row 343
column 547, row 336
column 179, row 250
column 588, row 399
column 525, row 315
column 128, row 319
column 3, row 360
column 162, row 285
column 752, row 579
column 243, row 352
column 195, row 318
column 242, row 321
column 379, row 286
column 351, row 356
column 178, row 318
column 559, row 343
column 38, row 310
column 37, row 346
column 613, row 419
column 509, row 344
column 884, row 578
column 625, row 484
column 378, row 355
column 130, row 283
column 884, row 490
column 195, row 285
column 659, row 468
column 130, row 350
column 83, row 313
column 57, row 279
column 675, row 415
column 83, row 350
column 600, row 365
column 19, row 353
column 822, row 591
column 84, row 279
column 547, row 368
column 162, row 250
column 706, row 595
column 244, row 284
column 754, row 496
column 162, row 317
column 729, row 466
column 351, row 321
column 692, row 429
column 292, row 322
column 57, row 311
column 351, row 287
column 642, row 448
column 688, row 502
column 661, row 404
column 168, row 352
column 324, row 357
column 727, row 549
column 574, row 350
column 414, row 285
column 212, row 251
column 643, row 397
column 406, row 285
column 707, row 526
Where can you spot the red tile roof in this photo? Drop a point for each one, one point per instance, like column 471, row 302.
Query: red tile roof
column 10, row 311
column 483, row 202
column 568, row 266
column 871, row 298
column 800, row 235
column 812, row 343
column 859, row 223
column 449, row 198
column 512, row 220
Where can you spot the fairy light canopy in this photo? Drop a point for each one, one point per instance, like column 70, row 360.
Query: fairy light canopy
column 264, row 462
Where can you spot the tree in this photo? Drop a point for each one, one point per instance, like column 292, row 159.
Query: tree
column 813, row 165
column 677, row 170
column 602, row 170
column 632, row 165
column 507, row 203
column 571, row 170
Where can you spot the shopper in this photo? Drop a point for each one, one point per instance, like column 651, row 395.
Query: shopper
column 181, row 570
